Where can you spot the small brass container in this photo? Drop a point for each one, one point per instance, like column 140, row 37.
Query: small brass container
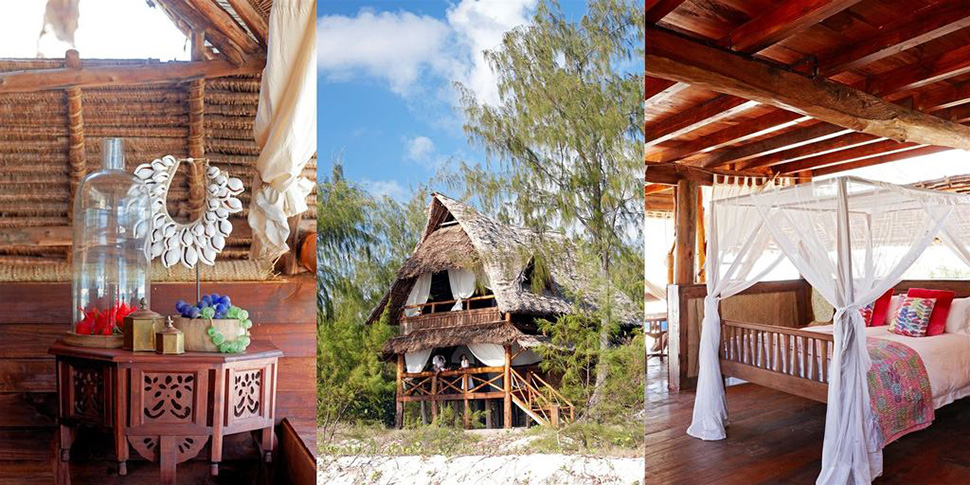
column 170, row 340
column 139, row 328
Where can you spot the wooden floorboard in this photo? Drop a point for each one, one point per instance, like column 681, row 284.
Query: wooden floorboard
column 775, row 437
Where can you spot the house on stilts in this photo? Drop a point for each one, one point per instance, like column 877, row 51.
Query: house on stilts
column 468, row 290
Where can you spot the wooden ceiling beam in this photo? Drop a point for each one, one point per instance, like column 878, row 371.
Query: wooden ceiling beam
column 943, row 98
column 782, row 21
column 868, row 162
column 659, row 202
column 950, row 64
column 830, row 145
column 670, row 174
column 659, row 90
column 168, row 72
column 762, row 125
column 191, row 20
column 655, row 188
column 253, row 19
column 884, row 147
column 930, row 24
column 677, row 58
column 220, row 20
column 655, row 10
column 695, row 117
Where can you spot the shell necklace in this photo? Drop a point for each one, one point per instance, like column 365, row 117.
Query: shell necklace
column 200, row 240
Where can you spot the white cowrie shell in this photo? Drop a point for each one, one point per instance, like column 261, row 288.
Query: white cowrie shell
column 209, row 217
column 233, row 204
column 198, row 229
column 158, row 247
column 169, row 230
column 141, row 229
column 223, row 193
column 169, row 160
column 160, row 177
column 144, row 171
column 213, row 189
column 158, row 165
column 210, row 229
column 221, row 180
column 234, row 184
column 213, row 204
column 213, row 171
column 171, row 257
column 218, row 242
column 186, row 237
column 225, row 228
column 207, row 256
column 190, row 257
column 222, row 213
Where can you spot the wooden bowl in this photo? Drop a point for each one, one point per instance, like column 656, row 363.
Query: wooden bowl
column 94, row 341
column 196, row 332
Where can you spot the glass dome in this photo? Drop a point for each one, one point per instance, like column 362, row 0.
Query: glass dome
column 112, row 214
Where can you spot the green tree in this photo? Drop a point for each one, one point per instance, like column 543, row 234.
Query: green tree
column 362, row 241
column 564, row 144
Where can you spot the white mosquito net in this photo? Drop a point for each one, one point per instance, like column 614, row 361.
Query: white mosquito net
column 852, row 240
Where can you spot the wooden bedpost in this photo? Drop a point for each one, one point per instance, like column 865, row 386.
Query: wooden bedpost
column 686, row 220
column 508, row 387
column 701, row 237
column 399, row 411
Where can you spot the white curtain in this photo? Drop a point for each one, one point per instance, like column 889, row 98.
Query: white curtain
column 737, row 239
column 462, row 282
column 492, row 355
column 415, row 361
column 419, row 294
column 285, row 127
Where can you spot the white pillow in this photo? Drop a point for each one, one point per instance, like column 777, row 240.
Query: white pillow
column 958, row 320
column 894, row 303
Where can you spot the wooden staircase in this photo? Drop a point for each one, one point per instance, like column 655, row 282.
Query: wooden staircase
column 540, row 401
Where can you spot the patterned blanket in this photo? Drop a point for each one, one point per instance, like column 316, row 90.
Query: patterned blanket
column 899, row 389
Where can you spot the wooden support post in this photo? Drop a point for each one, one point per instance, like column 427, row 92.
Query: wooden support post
column 507, row 381
column 75, row 130
column 434, row 398
column 686, row 237
column 197, row 132
column 399, row 407
column 701, row 238
column 489, row 409
column 468, row 409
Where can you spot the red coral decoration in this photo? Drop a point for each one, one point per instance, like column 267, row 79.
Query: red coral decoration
column 107, row 322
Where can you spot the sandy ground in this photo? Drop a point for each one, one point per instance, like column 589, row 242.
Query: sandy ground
column 482, row 469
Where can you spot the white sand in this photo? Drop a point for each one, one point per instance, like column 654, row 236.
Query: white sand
column 500, row 469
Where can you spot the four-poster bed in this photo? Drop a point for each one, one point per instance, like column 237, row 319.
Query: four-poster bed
column 852, row 240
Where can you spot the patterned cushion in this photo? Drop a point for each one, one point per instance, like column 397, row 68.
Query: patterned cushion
column 913, row 316
column 866, row 312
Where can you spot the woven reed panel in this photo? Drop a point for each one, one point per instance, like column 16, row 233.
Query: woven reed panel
column 153, row 120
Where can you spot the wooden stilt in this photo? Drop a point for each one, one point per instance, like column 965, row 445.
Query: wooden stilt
column 468, row 409
column 434, row 398
column 507, row 381
column 489, row 409
column 399, row 408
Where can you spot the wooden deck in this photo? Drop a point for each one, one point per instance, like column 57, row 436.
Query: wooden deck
column 777, row 438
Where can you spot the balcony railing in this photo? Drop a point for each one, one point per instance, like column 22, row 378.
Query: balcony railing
column 440, row 315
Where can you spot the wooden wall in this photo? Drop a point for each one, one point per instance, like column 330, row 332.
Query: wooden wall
column 33, row 315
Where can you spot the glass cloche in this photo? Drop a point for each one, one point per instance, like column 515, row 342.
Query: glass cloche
column 112, row 215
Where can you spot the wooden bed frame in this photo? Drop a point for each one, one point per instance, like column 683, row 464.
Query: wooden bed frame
column 751, row 351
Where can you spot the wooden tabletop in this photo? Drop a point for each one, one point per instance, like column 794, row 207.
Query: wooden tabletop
column 258, row 349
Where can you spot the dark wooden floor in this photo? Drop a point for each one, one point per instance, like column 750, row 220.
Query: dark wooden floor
column 777, row 438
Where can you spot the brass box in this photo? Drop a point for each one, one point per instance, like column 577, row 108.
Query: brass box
column 139, row 329
column 170, row 340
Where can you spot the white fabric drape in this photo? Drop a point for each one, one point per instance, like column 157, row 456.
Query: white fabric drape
column 493, row 355
column 737, row 239
column 462, row 282
column 285, row 127
column 415, row 361
column 852, row 240
column 419, row 294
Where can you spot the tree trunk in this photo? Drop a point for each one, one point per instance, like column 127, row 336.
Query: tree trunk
column 602, row 369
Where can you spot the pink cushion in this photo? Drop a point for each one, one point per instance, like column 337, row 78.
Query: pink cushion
column 943, row 300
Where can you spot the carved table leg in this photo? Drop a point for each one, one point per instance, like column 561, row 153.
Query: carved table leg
column 267, row 442
column 121, row 441
column 67, row 438
column 167, row 459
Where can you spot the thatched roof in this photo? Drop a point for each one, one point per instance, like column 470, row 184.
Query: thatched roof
column 494, row 333
column 504, row 254
column 951, row 183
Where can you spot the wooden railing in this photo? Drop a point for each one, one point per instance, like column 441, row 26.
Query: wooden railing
column 788, row 359
column 540, row 400
column 445, row 306
column 480, row 383
column 450, row 319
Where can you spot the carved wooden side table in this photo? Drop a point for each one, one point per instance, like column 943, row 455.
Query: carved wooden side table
column 167, row 407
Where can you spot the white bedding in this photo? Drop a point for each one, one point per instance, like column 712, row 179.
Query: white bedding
column 946, row 357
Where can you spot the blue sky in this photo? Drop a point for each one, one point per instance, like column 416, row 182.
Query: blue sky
column 386, row 102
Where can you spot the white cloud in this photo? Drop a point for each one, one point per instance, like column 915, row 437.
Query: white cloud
column 419, row 148
column 390, row 188
column 393, row 47
column 399, row 48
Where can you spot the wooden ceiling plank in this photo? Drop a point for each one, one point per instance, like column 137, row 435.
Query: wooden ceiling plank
column 659, row 90
column 678, row 58
column 868, row 162
column 830, row 145
column 694, row 118
column 184, row 13
column 252, row 19
column 782, row 21
column 656, row 10
column 950, row 64
column 805, row 136
column 655, row 188
column 884, row 147
column 169, row 72
column 931, row 24
column 944, row 98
